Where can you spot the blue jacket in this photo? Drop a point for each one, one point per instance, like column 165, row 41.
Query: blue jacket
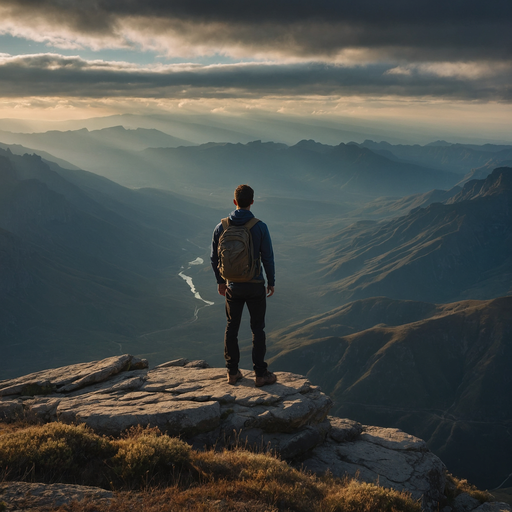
column 262, row 246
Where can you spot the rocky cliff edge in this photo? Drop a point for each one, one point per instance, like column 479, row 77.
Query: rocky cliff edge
column 194, row 401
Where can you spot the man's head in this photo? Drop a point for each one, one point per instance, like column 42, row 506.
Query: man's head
column 244, row 196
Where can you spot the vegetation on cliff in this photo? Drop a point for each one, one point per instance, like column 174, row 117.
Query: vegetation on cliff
column 153, row 472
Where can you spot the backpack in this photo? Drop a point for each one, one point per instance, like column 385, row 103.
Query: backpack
column 235, row 252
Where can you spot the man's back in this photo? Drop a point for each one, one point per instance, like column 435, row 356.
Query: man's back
column 252, row 293
column 262, row 246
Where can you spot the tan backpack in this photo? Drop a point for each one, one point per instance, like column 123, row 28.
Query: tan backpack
column 236, row 253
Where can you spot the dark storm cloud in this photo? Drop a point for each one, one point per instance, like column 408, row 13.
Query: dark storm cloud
column 425, row 30
column 54, row 75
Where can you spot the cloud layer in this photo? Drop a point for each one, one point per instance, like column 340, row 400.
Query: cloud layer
column 55, row 75
column 457, row 49
column 420, row 30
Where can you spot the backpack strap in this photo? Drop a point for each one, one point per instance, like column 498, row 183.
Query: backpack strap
column 225, row 223
column 249, row 224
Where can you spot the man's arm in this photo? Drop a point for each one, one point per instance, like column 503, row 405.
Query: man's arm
column 267, row 259
column 214, row 259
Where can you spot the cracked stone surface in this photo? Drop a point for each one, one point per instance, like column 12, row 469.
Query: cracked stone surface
column 194, row 401
column 384, row 455
column 32, row 496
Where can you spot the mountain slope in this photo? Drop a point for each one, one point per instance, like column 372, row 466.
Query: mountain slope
column 111, row 152
column 443, row 373
column 80, row 275
column 440, row 253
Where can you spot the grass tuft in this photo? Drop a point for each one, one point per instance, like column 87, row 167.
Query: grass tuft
column 456, row 486
column 50, row 451
column 364, row 497
column 148, row 453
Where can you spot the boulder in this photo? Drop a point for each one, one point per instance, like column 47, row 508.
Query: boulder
column 70, row 378
column 385, row 456
column 464, row 502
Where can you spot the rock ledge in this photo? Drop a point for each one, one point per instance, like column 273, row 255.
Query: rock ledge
column 194, row 401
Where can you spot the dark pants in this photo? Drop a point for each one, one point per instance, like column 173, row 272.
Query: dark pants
column 255, row 296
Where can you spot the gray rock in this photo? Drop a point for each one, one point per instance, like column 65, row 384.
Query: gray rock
column 388, row 457
column 175, row 362
column 111, row 415
column 200, row 363
column 33, row 496
column 42, row 410
column 494, row 506
column 464, row 502
column 101, row 372
column 139, row 364
column 11, row 409
column 68, row 378
column 28, row 388
column 344, row 430
column 393, row 438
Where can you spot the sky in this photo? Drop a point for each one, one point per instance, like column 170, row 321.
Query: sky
column 432, row 63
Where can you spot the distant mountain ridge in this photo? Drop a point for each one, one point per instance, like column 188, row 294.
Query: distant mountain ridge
column 459, row 158
column 440, row 253
column 111, row 152
column 115, row 137
column 151, row 158
column 308, row 169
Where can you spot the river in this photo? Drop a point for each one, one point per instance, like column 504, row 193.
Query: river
column 188, row 279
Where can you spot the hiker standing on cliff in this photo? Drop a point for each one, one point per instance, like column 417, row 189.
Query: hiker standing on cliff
column 241, row 244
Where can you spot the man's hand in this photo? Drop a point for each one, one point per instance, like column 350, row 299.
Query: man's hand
column 221, row 288
column 270, row 291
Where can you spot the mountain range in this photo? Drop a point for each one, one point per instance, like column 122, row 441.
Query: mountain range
column 459, row 158
column 438, row 371
column 443, row 252
column 87, row 265
column 150, row 158
column 307, row 169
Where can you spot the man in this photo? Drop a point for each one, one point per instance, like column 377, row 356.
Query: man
column 253, row 293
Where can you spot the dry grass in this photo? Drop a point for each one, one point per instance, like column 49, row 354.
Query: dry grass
column 146, row 453
column 456, row 486
column 156, row 473
column 51, row 452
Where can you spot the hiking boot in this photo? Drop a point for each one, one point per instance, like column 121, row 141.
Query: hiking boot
column 233, row 379
column 266, row 378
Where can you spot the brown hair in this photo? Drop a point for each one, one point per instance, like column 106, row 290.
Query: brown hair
column 244, row 196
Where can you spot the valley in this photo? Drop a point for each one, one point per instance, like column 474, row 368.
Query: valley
column 394, row 269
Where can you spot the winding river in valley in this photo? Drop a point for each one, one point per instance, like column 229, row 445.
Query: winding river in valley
column 188, row 280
